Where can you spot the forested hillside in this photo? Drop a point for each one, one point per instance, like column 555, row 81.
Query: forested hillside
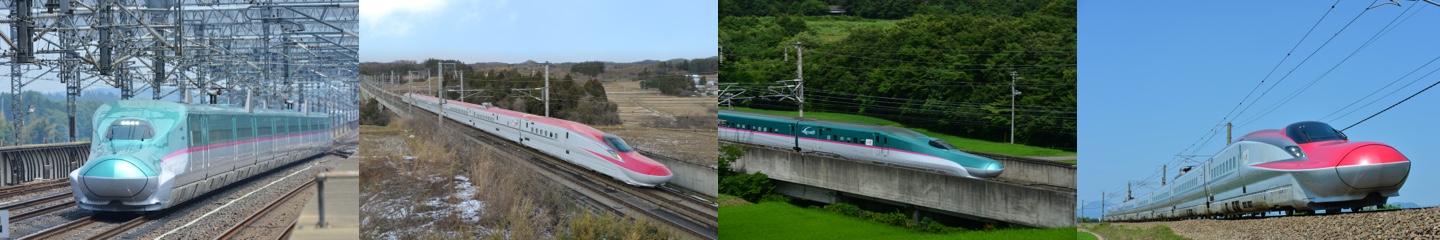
column 49, row 123
column 939, row 65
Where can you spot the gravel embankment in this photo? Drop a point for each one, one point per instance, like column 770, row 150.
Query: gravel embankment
column 1406, row 224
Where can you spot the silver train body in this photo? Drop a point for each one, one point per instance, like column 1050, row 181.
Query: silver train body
column 1276, row 170
column 573, row 142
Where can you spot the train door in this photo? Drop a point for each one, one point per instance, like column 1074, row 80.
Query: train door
column 794, row 135
column 1240, row 169
column 1205, row 181
column 820, row 133
column 526, row 127
column 197, row 141
column 883, row 144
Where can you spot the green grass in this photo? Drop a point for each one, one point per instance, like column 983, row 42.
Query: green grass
column 772, row 220
column 1128, row 232
column 1085, row 236
column 834, row 29
column 959, row 142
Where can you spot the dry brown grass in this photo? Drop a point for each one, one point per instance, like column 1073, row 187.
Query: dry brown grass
column 413, row 190
column 588, row 225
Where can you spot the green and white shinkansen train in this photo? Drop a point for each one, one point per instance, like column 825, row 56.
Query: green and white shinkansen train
column 149, row 155
column 885, row 144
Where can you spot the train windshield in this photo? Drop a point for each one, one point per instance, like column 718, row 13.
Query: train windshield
column 129, row 129
column 1306, row 132
column 618, row 143
column 941, row 144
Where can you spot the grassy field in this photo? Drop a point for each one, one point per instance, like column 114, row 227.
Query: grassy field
column 772, row 220
column 1085, row 236
column 833, row 29
column 1127, row 232
column 959, row 142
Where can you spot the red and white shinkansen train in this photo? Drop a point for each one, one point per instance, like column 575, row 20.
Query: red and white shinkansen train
column 1304, row 167
column 574, row 142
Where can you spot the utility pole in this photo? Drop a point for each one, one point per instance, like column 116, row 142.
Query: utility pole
column 1013, row 93
column 1164, row 171
column 1102, row 205
column 800, row 75
column 410, row 108
column 546, row 92
column 440, row 96
column 1228, row 139
column 462, row 84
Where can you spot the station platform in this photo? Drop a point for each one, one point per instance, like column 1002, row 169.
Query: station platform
column 342, row 207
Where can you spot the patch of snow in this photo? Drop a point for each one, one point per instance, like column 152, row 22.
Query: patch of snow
column 470, row 210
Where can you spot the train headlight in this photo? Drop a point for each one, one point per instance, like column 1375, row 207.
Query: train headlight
column 1295, row 151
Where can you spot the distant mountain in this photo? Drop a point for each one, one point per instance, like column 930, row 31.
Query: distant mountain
column 94, row 94
column 1408, row 205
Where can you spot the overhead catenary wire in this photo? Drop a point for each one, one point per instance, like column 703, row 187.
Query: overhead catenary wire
column 1307, row 86
column 1396, row 103
column 1242, row 101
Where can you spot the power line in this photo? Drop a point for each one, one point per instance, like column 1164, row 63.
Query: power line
column 1302, row 63
column 1262, row 80
column 1396, row 103
column 1397, row 80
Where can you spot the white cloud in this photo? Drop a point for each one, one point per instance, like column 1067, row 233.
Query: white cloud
column 477, row 11
column 391, row 17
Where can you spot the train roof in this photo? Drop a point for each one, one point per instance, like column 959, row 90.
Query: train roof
column 572, row 125
column 167, row 106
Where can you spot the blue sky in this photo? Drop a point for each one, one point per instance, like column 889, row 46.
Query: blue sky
column 556, row 31
column 1156, row 77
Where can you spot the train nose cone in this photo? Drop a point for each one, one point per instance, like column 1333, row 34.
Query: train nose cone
column 658, row 171
column 1373, row 166
column 991, row 170
column 656, row 175
column 114, row 178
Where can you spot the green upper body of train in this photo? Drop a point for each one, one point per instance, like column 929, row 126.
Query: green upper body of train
column 148, row 155
column 891, row 145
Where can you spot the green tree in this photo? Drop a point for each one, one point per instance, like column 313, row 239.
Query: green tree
column 946, row 70
column 590, row 68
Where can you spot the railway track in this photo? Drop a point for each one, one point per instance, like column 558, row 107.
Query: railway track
column 108, row 226
column 12, row 191
column 65, row 202
column 693, row 216
column 235, row 230
column 96, row 227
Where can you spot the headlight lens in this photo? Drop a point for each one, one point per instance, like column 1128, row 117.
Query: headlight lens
column 1295, row 151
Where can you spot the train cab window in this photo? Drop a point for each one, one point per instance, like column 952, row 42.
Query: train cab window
column 130, row 129
column 1306, row 132
column 618, row 143
column 937, row 143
